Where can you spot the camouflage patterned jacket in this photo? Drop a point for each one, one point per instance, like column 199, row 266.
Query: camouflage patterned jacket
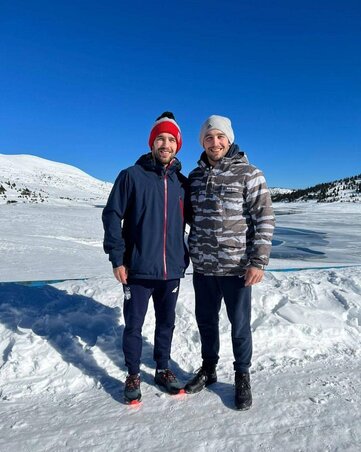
column 233, row 219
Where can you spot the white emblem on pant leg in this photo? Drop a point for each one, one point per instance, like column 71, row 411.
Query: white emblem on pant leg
column 127, row 293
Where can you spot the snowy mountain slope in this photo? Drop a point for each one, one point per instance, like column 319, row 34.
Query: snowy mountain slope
column 342, row 190
column 31, row 179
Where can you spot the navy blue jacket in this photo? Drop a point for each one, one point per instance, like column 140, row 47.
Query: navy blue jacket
column 150, row 200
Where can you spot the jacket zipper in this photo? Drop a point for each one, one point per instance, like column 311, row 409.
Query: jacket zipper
column 165, row 225
column 210, row 173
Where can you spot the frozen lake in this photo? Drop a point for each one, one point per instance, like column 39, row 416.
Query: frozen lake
column 307, row 235
column 316, row 235
column 299, row 244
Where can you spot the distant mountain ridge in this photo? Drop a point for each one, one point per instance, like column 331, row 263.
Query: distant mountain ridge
column 31, row 179
column 276, row 190
column 341, row 190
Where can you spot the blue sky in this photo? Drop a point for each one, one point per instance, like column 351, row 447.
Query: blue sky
column 82, row 82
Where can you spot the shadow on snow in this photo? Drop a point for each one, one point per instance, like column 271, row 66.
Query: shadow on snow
column 72, row 324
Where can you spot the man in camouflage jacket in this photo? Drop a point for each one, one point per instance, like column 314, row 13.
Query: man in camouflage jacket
column 230, row 243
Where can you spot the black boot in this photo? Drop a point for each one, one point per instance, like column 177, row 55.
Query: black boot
column 243, row 394
column 205, row 376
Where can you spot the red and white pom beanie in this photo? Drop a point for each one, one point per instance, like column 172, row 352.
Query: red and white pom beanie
column 166, row 124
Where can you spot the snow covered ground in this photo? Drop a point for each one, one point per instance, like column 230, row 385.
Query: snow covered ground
column 62, row 369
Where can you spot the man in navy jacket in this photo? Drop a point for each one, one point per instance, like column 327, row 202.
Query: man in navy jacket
column 144, row 237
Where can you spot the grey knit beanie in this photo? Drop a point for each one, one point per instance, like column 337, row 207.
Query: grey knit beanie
column 217, row 122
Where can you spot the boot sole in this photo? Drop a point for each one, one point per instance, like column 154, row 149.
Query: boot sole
column 243, row 408
column 132, row 401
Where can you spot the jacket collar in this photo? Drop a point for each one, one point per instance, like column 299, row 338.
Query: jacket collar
column 150, row 164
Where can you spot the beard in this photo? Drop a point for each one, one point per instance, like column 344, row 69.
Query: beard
column 164, row 156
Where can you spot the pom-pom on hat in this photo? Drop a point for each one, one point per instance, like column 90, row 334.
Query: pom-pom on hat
column 166, row 123
column 217, row 122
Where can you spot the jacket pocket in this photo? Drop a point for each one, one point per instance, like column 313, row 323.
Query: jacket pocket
column 234, row 222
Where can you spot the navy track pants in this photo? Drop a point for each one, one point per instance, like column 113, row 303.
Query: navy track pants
column 136, row 299
column 209, row 291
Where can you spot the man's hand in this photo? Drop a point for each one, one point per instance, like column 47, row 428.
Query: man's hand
column 121, row 274
column 253, row 276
